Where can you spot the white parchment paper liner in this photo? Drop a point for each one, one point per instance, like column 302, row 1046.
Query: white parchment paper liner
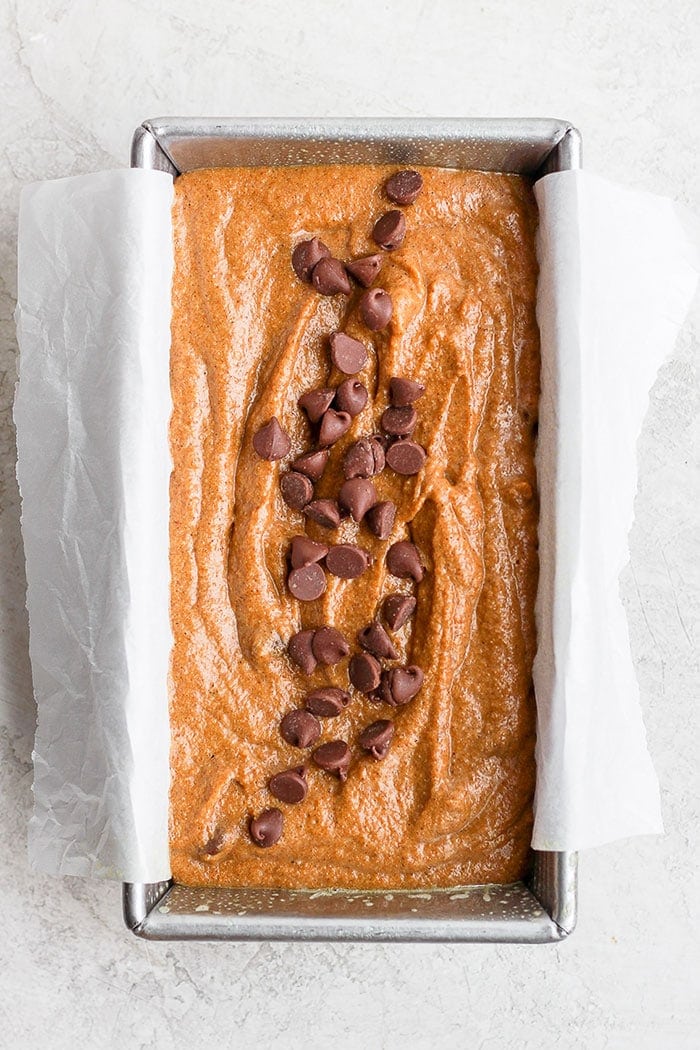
column 92, row 410
column 618, row 270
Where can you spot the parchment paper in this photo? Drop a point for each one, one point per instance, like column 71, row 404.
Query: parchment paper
column 618, row 273
column 618, row 269
column 92, row 410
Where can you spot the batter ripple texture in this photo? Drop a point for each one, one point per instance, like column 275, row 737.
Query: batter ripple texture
column 451, row 803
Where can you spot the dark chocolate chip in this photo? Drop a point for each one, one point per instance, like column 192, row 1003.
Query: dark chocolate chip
column 365, row 672
column 398, row 609
column 404, row 186
column 315, row 402
column 307, row 583
column 289, row 786
column 324, row 512
column 329, row 646
column 376, row 738
column 357, row 496
column 296, row 489
column 374, row 639
column 383, row 439
column 390, row 230
column 270, row 441
column 330, row 277
column 327, row 702
column 403, row 560
column 380, row 519
column 305, row 256
column 406, row 456
column 333, row 757
column 333, row 426
column 400, row 684
column 266, row 829
column 347, row 561
column 399, row 421
column 351, row 397
column 404, row 391
column 300, row 728
column 376, row 309
column 364, row 459
column 366, row 269
column 304, row 551
column 347, row 354
column 214, row 844
column 382, row 695
column 312, row 464
column 300, row 651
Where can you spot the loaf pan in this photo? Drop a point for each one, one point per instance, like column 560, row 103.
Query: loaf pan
column 538, row 911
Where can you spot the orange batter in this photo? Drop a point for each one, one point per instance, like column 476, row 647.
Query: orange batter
column 451, row 803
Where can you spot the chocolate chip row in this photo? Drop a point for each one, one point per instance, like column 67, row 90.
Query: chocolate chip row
column 290, row 785
column 332, row 411
column 307, row 581
column 365, row 458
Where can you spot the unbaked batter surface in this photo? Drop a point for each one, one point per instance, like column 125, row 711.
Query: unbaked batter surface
column 451, row 803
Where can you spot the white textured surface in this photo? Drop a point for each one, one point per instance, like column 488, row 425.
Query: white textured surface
column 77, row 77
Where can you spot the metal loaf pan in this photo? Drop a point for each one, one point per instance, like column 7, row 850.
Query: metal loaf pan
column 539, row 911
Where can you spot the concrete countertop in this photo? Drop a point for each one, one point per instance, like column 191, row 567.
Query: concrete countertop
column 77, row 78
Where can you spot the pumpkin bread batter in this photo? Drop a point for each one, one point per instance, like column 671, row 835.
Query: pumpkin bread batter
column 448, row 799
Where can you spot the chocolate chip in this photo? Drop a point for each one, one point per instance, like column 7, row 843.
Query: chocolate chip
column 390, row 230
column 270, row 441
column 398, row 609
column 296, row 489
column 312, row 464
column 380, row 519
column 304, row 551
column 357, row 495
column 300, row 651
column 404, row 391
column 376, row 738
column 333, row 757
column 364, row 459
column 327, row 702
column 347, row 354
column 406, row 456
column 315, row 402
column 382, row 695
column 307, row 583
column 330, row 277
column 364, row 672
column 333, row 426
column 329, row 646
column 266, row 829
column 289, row 786
column 374, row 639
column 383, row 439
column 300, row 728
column 400, row 684
column 305, row 256
column 366, row 269
column 214, row 844
column 347, row 561
column 403, row 186
column 376, row 309
column 399, row 421
column 324, row 512
column 403, row 560
column 351, row 397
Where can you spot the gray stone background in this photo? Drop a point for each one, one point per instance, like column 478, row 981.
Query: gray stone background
column 77, row 76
